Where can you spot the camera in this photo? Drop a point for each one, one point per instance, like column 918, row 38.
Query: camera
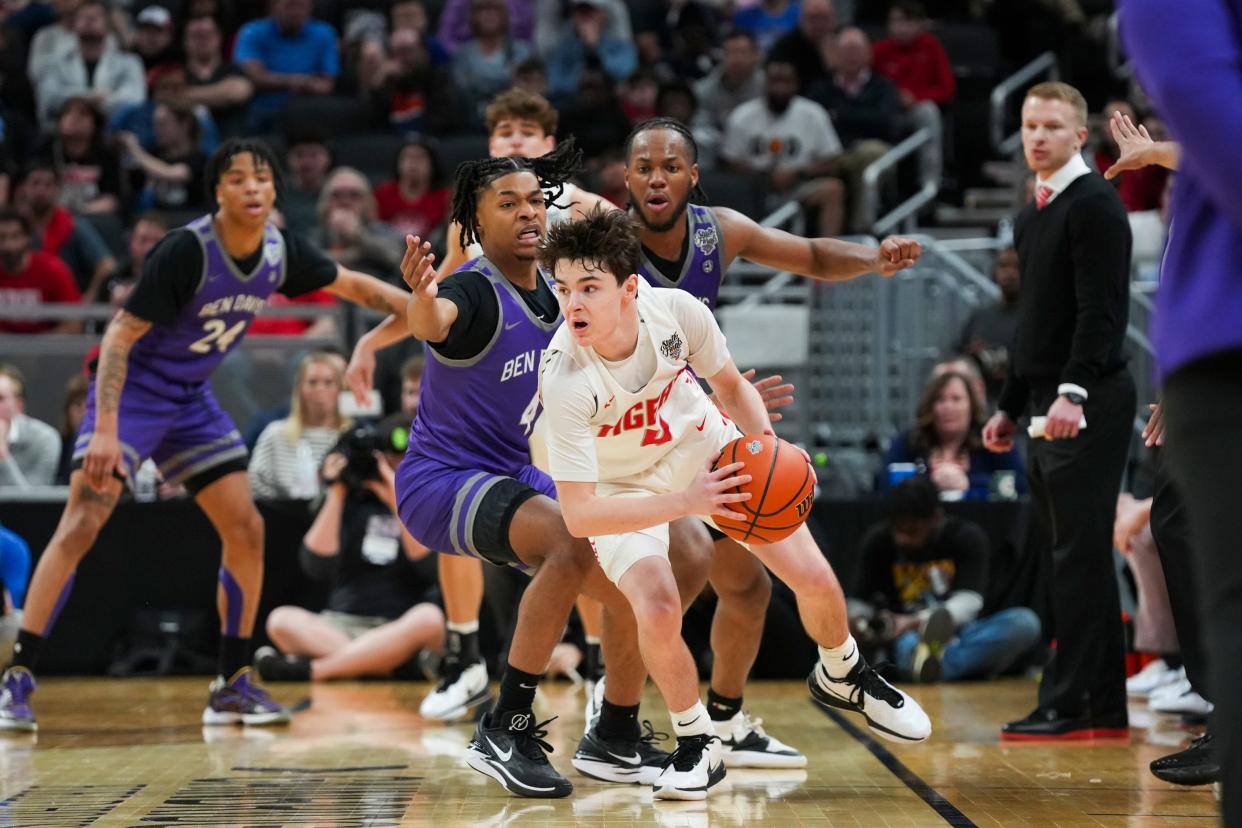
column 359, row 443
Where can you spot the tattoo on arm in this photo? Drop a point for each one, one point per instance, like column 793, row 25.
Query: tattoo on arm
column 378, row 303
column 124, row 330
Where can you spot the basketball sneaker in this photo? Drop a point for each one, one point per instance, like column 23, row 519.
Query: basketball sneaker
column 15, row 710
column 514, row 753
column 636, row 762
column 1155, row 675
column 594, row 702
column 241, row 701
column 457, row 695
column 696, row 765
column 889, row 712
column 271, row 665
column 746, row 745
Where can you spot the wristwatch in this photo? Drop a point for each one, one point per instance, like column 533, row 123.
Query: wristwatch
column 1074, row 397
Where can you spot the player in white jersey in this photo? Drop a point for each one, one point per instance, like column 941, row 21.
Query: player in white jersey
column 631, row 439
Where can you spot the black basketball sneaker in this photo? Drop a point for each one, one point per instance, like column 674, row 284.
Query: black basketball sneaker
column 513, row 752
column 636, row 761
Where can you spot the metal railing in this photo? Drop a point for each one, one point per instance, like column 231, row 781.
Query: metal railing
column 1019, row 81
column 908, row 209
column 1117, row 63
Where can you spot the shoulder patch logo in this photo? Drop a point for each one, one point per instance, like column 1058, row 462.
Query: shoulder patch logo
column 706, row 240
column 671, row 347
column 754, row 446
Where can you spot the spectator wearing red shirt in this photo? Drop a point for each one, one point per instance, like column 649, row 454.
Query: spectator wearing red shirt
column 29, row 278
column 415, row 201
column 913, row 59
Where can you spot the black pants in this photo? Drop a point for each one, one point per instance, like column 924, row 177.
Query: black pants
column 1074, row 485
column 1170, row 529
column 1203, row 446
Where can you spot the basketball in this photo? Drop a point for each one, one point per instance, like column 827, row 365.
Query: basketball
column 782, row 488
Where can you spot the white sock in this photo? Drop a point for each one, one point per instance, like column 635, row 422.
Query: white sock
column 693, row 721
column 464, row 629
column 591, row 639
column 839, row 660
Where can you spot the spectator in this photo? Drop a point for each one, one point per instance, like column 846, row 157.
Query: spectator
column 553, row 24
column 399, row 376
column 56, row 42
column 457, row 23
column 349, row 229
column 148, row 229
column 595, row 118
column 677, row 100
column 90, row 168
column 926, row 573
column 93, row 68
column 31, row 278
column 990, row 329
column 29, row 449
column 287, row 457
column 964, row 365
column 286, row 54
column 812, row 46
column 413, row 94
column 380, row 614
column 638, row 95
column 864, row 108
column 212, row 82
column 913, row 59
column 946, row 442
column 768, row 20
column 17, row 138
column 411, row 16
column 14, row 576
column 1140, row 189
column 167, row 84
column 154, row 39
column 531, row 76
column 585, row 45
column 308, row 159
column 72, row 412
column 172, row 176
column 483, row 65
column 415, row 201
column 738, row 79
column 55, row 231
column 790, row 141
column 693, row 29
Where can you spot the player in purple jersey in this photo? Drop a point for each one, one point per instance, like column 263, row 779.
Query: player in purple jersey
column 690, row 246
column 150, row 397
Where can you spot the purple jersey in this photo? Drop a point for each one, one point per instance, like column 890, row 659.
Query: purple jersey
column 703, row 269
column 478, row 413
column 213, row 322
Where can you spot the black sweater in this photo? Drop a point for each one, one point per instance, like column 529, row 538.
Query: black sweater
column 1074, row 257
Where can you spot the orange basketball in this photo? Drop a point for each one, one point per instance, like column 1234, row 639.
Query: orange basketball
column 782, row 488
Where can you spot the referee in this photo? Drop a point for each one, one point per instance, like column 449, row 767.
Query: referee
column 1073, row 247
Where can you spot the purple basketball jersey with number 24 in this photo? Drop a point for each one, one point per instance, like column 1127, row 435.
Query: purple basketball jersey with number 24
column 703, row 269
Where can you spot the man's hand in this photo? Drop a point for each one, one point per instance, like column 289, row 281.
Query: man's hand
column 711, row 492
column 1063, row 420
column 775, row 393
column 1132, row 517
column 896, row 254
column 1153, row 432
column 418, row 270
column 102, row 460
column 999, row 432
column 386, row 487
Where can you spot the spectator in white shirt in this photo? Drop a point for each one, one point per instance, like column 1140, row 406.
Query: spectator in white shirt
column 29, row 449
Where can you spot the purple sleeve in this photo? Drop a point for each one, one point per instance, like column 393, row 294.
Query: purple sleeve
column 1189, row 59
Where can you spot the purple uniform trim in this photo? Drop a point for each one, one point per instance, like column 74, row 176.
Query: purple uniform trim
column 61, row 600
column 703, row 269
column 232, row 603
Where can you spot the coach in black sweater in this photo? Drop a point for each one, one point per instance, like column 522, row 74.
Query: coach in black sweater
column 1074, row 254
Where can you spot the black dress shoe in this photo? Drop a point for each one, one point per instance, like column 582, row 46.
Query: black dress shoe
column 1046, row 725
column 1198, row 764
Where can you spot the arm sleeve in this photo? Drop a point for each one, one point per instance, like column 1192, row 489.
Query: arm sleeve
column 568, row 408
column 170, row 275
column 307, row 267
column 1100, row 248
column 478, row 313
column 705, row 342
column 1013, row 396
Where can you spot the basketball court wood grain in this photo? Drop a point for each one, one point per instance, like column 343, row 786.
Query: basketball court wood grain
column 132, row 753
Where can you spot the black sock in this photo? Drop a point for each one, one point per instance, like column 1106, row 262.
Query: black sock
column 1173, row 661
column 618, row 722
column 594, row 662
column 461, row 650
column 517, row 692
column 722, row 708
column 234, row 655
column 26, row 650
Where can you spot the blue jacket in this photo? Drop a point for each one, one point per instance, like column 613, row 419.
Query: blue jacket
column 983, row 464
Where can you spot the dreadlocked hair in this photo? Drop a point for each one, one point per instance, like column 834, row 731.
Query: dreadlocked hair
column 551, row 170
column 674, row 125
column 260, row 151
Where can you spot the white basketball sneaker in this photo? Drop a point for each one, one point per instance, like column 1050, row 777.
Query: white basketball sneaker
column 1152, row 677
column 746, row 745
column 890, row 712
column 594, row 703
column 696, row 765
column 456, row 696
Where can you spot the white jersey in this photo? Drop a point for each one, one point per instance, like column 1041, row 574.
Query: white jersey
column 611, row 421
column 556, row 214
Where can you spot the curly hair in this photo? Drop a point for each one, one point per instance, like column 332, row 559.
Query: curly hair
column 606, row 240
column 524, row 106
column 925, row 437
column 673, row 125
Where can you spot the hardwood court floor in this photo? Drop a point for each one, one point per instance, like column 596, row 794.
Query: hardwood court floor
column 132, row 753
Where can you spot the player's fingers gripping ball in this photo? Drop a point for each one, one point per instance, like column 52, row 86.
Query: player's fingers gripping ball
column 782, row 489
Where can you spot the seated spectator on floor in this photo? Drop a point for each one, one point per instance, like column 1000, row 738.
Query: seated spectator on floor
column 167, row 84
column 172, row 175
column 812, row 46
column 588, row 44
column 286, row 460
column 483, row 65
column 768, row 20
column 29, row 278
column 57, row 232
column 115, row 79
column 412, row 93
column 990, row 328
column 308, row 161
column 738, row 79
column 29, row 448
column 284, row 55
column 415, row 201
column 919, row 592
column 349, row 229
column 211, row 81
column 72, row 413
column 946, row 444
column 154, row 37
column 90, row 168
column 790, row 141
column 380, row 614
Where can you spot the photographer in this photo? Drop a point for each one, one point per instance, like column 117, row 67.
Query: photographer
column 379, row 616
column 925, row 573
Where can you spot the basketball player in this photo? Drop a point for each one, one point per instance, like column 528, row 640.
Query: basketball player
column 151, row 397
column 631, row 437
column 691, row 246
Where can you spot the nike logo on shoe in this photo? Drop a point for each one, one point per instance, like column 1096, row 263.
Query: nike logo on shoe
column 503, row 755
column 633, row 760
column 527, row 686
